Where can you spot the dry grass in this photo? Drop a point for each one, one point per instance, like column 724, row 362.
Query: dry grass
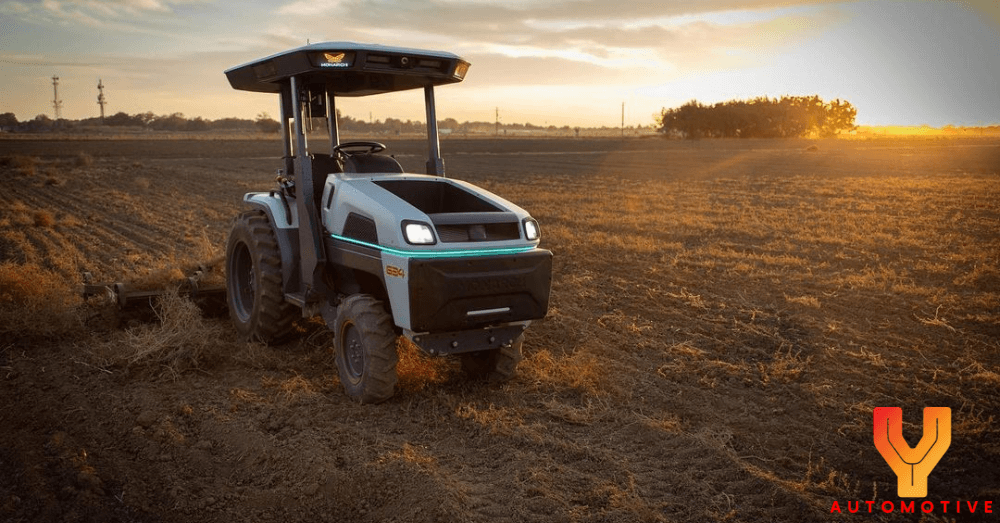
column 418, row 371
column 296, row 388
column 83, row 160
column 182, row 339
column 35, row 302
column 580, row 372
column 158, row 278
column 767, row 302
column 23, row 165
column 43, row 219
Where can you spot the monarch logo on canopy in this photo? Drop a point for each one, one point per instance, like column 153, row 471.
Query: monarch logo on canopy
column 335, row 59
column 912, row 465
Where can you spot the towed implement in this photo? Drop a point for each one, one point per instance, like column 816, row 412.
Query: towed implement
column 137, row 299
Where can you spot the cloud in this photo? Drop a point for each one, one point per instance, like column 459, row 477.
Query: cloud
column 607, row 10
column 565, row 42
column 513, row 20
column 774, row 32
column 37, row 60
column 105, row 14
column 601, row 33
column 14, row 8
column 497, row 69
column 308, row 7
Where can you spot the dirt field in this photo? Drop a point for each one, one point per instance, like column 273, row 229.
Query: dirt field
column 725, row 317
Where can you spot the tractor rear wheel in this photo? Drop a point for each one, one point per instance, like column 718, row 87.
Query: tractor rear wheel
column 253, row 280
column 365, row 349
column 494, row 365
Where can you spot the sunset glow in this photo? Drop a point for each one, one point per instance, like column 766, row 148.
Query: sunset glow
column 555, row 62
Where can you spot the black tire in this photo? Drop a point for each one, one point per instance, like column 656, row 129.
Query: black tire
column 365, row 349
column 253, row 280
column 495, row 365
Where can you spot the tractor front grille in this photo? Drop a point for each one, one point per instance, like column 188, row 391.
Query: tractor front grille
column 477, row 232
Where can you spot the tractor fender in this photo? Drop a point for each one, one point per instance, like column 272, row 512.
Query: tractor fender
column 280, row 211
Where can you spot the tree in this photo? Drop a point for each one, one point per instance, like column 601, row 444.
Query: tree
column 146, row 118
column 839, row 118
column 689, row 120
column 266, row 124
column 8, row 121
column 761, row 117
column 174, row 122
column 232, row 123
column 41, row 122
column 197, row 124
column 121, row 119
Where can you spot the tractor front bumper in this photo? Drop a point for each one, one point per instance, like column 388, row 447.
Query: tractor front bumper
column 459, row 294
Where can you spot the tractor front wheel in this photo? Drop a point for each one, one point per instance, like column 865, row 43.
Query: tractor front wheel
column 365, row 349
column 495, row 364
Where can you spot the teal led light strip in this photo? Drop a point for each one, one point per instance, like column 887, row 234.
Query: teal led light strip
column 436, row 254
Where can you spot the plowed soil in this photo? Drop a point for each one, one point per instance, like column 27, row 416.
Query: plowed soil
column 725, row 316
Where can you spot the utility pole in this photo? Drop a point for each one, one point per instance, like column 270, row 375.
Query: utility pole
column 623, row 119
column 100, row 98
column 498, row 122
column 56, row 102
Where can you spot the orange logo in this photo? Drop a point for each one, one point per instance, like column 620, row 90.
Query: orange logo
column 333, row 58
column 912, row 465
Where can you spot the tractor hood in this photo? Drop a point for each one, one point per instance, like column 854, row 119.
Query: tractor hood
column 442, row 214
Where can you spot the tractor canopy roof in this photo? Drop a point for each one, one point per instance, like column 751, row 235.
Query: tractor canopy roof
column 351, row 69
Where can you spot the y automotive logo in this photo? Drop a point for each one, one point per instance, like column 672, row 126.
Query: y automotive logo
column 912, row 465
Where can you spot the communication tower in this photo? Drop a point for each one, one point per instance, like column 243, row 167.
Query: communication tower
column 56, row 102
column 100, row 98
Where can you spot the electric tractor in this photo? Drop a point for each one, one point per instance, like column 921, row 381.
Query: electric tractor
column 377, row 252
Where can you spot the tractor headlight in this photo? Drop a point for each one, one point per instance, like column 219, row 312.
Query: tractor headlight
column 531, row 231
column 418, row 233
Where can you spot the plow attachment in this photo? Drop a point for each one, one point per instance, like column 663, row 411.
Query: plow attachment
column 204, row 287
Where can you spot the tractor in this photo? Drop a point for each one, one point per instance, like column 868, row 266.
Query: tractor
column 374, row 251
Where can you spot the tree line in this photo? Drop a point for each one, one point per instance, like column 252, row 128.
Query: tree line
column 144, row 121
column 262, row 123
column 762, row 117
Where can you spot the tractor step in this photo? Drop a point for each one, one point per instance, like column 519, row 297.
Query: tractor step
column 310, row 303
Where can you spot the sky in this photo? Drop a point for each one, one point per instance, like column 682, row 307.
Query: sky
column 547, row 62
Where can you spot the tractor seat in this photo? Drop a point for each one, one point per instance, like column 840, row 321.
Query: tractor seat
column 371, row 163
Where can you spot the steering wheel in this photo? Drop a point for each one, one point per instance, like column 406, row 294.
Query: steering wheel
column 369, row 148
